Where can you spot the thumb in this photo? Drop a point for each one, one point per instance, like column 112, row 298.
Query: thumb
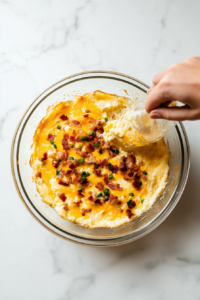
column 174, row 113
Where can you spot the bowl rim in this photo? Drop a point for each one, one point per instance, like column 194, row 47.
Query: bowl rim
column 115, row 243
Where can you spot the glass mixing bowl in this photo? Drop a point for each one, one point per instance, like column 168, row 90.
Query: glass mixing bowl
column 67, row 89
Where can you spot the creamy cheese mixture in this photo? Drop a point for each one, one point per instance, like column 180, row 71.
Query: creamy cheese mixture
column 85, row 179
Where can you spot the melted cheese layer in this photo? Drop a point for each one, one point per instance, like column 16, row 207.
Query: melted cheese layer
column 153, row 159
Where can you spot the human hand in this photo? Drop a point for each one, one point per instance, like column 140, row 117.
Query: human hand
column 179, row 82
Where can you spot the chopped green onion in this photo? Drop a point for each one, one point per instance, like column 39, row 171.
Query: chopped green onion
column 80, row 189
column 109, row 166
column 57, row 172
column 54, row 145
column 58, row 127
column 80, row 146
column 131, row 194
column 100, row 151
column 106, row 191
column 140, row 182
column 80, row 160
column 59, row 160
column 71, row 145
column 129, row 202
column 91, row 133
column 145, row 173
column 82, row 138
column 51, row 142
column 106, row 119
column 124, row 159
column 110, row 176
column 87, row 139
column 71, row 158
column 106, row 198
column 99, row 195
column 83, row 178
column 114, row 150
column 96, row 145
column 85, row 174
column 142, row 201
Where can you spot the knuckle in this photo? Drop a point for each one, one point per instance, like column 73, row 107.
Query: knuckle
column 172, row 67
column 187, row 60
column 193, row 58
column 165, row 83
column 168, row 116
column 155, row 79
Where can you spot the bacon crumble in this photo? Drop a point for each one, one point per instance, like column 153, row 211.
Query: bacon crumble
column 129, row 213
column 97, row 172
column 99, row 186
column 72, row 139
column 113, row 199
column 62, row 197
column 63, row 155
column 38, row 174
column 64, row 183
column 65, row 142
column 69, row 173
column 105, row 178
column 86, row 210
column 104, row 162
column 44, row 157
column 75, row 123
column 122, row 167
column 136, row 185
column 55, row 164
column 114, row 186
column 132, row 204
column 50, row 137
column 113, row 168
column 77, row 203
column 64, row 118
column 89, row 148
column 98, row 201
column 80, row 193
column 61, row 174
column 111, row 154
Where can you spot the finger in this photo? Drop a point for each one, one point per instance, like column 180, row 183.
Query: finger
column 158, row 77
column 157, row 97
column 175, row 113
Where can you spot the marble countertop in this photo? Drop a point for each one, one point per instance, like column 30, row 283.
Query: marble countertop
column 41, row 42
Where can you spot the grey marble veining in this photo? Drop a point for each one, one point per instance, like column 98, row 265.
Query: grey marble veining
column 41, row 42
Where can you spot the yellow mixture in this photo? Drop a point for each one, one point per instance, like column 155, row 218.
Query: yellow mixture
column 85, row 179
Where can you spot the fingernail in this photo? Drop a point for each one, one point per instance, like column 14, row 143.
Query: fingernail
column 155, row 115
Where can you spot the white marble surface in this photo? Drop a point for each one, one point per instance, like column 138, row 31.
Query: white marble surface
column 42, row 41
